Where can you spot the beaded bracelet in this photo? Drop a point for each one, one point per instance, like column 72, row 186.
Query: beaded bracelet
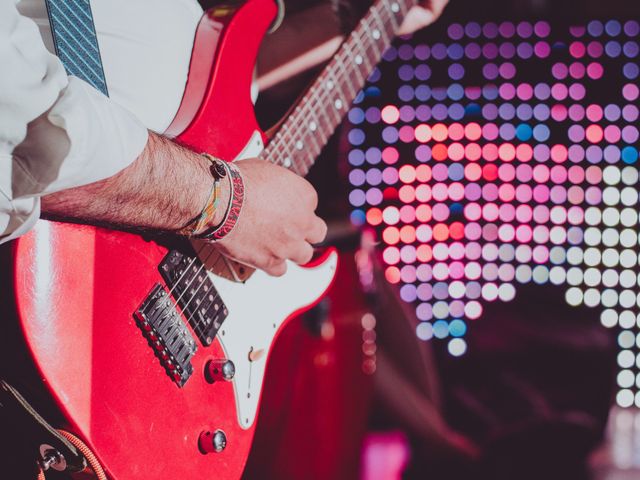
column 234, row 207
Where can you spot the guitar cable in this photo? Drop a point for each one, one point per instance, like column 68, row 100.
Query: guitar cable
column 94, row 464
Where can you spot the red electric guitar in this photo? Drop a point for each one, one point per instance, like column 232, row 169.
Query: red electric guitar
column 153, row 354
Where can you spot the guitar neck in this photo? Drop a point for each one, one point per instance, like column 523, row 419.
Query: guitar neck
column 305, row 132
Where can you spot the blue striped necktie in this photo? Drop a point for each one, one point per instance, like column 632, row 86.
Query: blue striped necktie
column 75, row 40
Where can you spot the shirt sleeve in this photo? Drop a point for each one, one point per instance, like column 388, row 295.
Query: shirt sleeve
column 56, row 132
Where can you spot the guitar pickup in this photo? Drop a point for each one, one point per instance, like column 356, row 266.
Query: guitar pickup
column 189, row 283
column 169, row 337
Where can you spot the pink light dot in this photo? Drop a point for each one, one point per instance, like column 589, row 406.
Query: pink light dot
column 576, row 133
column 558, row 174
column 594, row 113
column 423, row 214
column 455, row 151
column 423, row 193
column 423, row 173
column 506, row 192
column 576, row 174
column 577, row 49
column 472, row 231
column 595, row 49
column 577, row 70
column 540, row 253
column 593, row 195
column 575, row 195
column 473, row 250
column 612, row 134
column 524, row 233
column 507, row 212
column 472, row 171
column 630, row 92
column 490, row 152
column 575, row 215
column 576, row 112
column 540, row 234
column 524, row 91
column 506, row 172
column 523, row 193
column 542, row 49
column 390, row 155
column 406, row 134
column 594, row 133
column 456, row 131
column 593, row 175
column 440, row 212
column 541, row 173
column 524, row 152
column 507, row 91
column 423, row 133
column 407, row 194
column 524, row 173
column 490, row 232
column 390, row 114
column 473, row 131
column 390, row 175
column 559, row 71
column 456, row 191
column 559, row 91
column 490, row 192
column 473, row 152
column 577, row 91
column 559, row 153
column 506, row 233
column 440, row 192
column 456, row 270
column 392, row 275
column 559, row 112
column 407, row 214
column 507, row 152
column 524, row 213
column 541, row 214
column 490, row 131
column 595, row 71
column 558, row 194
column 541, row 193
column 490, row 212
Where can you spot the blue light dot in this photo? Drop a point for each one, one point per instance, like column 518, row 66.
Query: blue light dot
column 456, row 171
column 371, row 92
column 390, row 134
column 374, row 76
column 406, row 93
column 356, row 157
column 541, row 133
column 457, row 328
column 441, row 329
column 455, row 92
column 358, row 218
column 456, row 111
column 423, row 93
column 356, row 137
column 629, row 155
column 356, row 116
column 524, row 132
column 423, row 72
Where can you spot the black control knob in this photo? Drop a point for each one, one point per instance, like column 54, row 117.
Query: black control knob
column 212, row 442
column 220, row 369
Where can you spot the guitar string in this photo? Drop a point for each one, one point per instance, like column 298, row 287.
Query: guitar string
column 340, row 75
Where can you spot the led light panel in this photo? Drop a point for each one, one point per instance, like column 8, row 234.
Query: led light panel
column 505, row 153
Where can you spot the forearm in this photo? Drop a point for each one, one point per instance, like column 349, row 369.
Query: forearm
column 164, row 188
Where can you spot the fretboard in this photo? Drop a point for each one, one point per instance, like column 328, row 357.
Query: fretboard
column 305, row 132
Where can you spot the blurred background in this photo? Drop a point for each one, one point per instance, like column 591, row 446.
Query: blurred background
column 483, row 194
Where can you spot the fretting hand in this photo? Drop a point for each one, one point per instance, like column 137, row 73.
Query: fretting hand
column 423, row 15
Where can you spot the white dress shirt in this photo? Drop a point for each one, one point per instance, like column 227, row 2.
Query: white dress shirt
column 58, row 132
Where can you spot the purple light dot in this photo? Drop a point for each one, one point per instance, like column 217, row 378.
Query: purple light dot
column 356, row 136
column 374, row 76
column 456, row 111
column 490, row 51
column 440, row 291
column 473, row 92
column 455, row 51
column 631, row 28
column 390, row 175
column 525, row 50
column 356, row 177
column 374, row 176
column 405, row 72
column 456, row 71
column 423, row 93
column 507, row 91
column 422, row 52
column 542, row 49
column 423, row 113
column 357, row 198
column 472, row 191
column 507, row 130
column 576, row 133
column 439, row 93
column 490, row 71
column 630, row 70
column 577, row 31
column 490, row 192
column 630, row 134
column 613, row 49
column 559, row 71
column 407, row 113
column 595, row 28
column 374, row 196
column 490, row 92
column 507, row 112
column 439, row 51
column 507, row 50
column 542, row 29
column 594, row 49
column 408, row 293
column 559, row 91
column 630, row 92
column 490, row 30
column 613, row 28
column 594, row 154
column 558, row 194
column 473, row 51
column 455, row 31
column 405, row 52
column 356, row 157
column 390, row 134
column 524, row 111
column 630, row 113
column 372, row 115
column 424, row 311
column 490, row 111
column 507, row 70
column 593, row 195
column 423, row 153
column 541, row 112
column 440, row 172
column 423, row 72
column 440, row 111
column 406, row 93
column 408, row 272
column 524, row 29
column 473, row 30
column 424, row 272
column 507, row 29
column 390, row 54
column 612, row 112
column 611, row 154
column 424, row 291
column 541, row 152
column 576, row 153
column 542, row 91
column 576, row 112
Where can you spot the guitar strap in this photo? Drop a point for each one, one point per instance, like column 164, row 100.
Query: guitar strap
column 75, row 40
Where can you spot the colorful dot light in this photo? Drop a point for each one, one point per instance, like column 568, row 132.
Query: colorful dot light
column 510, row 156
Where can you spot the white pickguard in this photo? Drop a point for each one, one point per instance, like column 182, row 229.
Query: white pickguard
column 257, row 309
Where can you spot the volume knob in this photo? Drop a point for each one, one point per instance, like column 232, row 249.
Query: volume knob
column 220, row 369
column 212, row 442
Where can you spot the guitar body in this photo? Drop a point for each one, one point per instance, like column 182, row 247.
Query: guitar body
column 77, row 290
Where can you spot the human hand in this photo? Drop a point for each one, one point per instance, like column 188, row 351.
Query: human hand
column 277, row 221
column 422, row 15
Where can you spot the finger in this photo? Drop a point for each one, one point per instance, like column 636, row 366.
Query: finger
column 317, row 232
column 417, row 18
column 276, row 269
column 302, row 254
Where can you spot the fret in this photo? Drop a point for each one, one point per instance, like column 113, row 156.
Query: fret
column 356, row 66
column 390, row 13
column 368, row 64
